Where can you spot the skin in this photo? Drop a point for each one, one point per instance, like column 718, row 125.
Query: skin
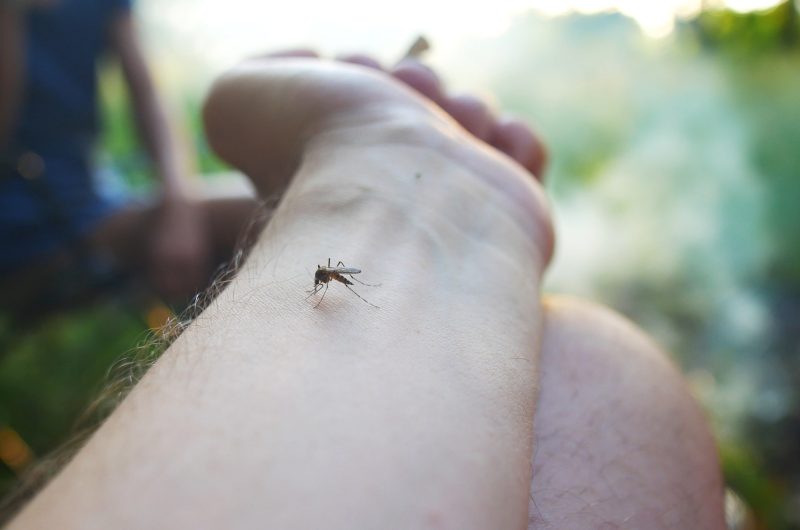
column 620, row 442
column 430, row 412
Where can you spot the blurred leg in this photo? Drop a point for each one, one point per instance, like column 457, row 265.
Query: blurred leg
column 124, row 235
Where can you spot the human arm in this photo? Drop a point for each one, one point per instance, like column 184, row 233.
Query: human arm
column 271, row 413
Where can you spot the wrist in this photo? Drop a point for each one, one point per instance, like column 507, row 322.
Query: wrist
column 394, row 211
column 387, row 172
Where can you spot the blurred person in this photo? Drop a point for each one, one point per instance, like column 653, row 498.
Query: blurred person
column 59, row 232
column 457, row 397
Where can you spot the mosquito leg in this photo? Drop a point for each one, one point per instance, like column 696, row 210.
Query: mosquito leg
column 321, row 298
column 358, row 295
column 314, row 291
column 364, row 283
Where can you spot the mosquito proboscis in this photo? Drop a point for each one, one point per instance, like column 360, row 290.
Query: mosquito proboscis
column 340, row 273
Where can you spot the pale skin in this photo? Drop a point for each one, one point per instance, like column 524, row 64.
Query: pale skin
column 429, row 412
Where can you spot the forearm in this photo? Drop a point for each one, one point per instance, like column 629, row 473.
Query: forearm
column 292, row 415
column 11, row 70
column 411, row 415
column 276, row 410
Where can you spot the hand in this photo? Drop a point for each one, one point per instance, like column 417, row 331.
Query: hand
column 180, row 254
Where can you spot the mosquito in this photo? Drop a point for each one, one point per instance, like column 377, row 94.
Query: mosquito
column 325, row 275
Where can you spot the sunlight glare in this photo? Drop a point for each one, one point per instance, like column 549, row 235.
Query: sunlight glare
column 656, row 18
column 207, row 33
column 744, row 6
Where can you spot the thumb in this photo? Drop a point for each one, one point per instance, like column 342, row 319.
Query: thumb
column 261, row 115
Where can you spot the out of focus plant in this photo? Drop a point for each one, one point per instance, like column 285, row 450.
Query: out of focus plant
column 752, row 33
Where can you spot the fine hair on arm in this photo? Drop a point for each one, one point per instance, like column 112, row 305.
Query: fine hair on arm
column 124, row 374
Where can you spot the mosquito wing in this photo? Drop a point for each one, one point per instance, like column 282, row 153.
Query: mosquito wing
column 347, row 270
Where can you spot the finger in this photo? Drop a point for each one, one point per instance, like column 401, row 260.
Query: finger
column 472, row 113
column 360, row 59
column 421, row 78
column 289, row 53
column 516, row 139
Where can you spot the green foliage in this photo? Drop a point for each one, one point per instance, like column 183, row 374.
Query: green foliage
column 48, row 376
column 121, row 148
column 205, row 159
column 767, row 90
column 744, row 474
column 750, row 33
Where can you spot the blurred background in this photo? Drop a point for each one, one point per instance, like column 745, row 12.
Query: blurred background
column 674, row 128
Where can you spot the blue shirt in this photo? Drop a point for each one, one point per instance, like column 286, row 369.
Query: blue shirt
column 59, row 122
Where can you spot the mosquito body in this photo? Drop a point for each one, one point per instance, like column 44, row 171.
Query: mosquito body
column 326, row 274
